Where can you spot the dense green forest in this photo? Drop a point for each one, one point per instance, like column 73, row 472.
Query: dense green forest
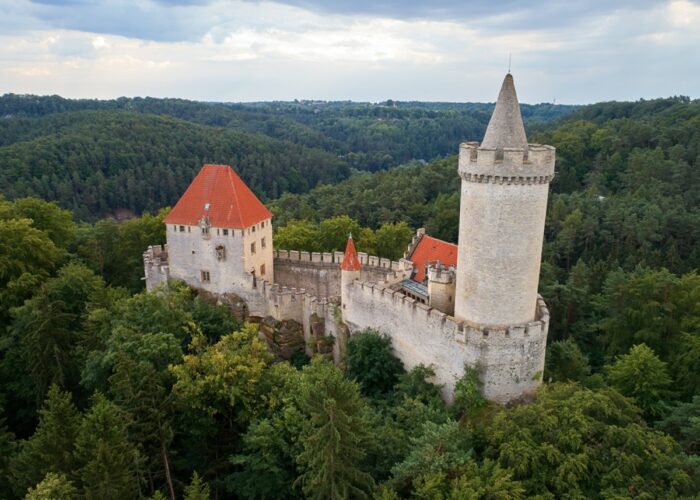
column 98, row 158
column 108, row 391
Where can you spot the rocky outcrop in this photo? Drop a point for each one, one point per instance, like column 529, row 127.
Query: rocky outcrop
column 283, row 337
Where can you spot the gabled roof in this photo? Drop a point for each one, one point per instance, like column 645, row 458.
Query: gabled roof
column 431, row 249
column 505, row 129
column 218, row 192
column 350, row 260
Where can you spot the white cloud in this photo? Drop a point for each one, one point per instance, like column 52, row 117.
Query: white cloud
column 240, row 50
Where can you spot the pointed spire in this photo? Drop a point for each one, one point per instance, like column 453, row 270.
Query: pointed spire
column 350, row 261
column 506, row 128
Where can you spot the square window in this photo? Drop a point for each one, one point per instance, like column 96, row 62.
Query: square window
column 225, row 232
column 182, row 229
column 205, row 276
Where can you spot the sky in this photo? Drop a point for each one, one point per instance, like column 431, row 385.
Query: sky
column 563, row 51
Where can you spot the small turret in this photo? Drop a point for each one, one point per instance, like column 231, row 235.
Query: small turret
column 350, row 260
column 350, row 270
column 441, row 287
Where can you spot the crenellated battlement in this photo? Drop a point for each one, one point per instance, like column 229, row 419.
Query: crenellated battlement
column 534, row 165
column 336, row 258
column 439, row 273
column 460, row 330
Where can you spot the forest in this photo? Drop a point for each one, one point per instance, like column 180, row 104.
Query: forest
column 128, row 156
column 108, row 391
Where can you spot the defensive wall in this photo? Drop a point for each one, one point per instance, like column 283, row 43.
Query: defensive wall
column 319, row 272
column 510, row 360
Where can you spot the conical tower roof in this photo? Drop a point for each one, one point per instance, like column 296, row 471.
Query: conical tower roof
column 350, row 261
column 506, row 128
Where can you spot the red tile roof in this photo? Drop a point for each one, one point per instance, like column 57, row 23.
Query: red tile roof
column 219, row 193
column 350, row 260
column 431, row 249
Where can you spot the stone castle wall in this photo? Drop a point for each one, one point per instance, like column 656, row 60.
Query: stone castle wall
column 319, row 273
column 510, row 360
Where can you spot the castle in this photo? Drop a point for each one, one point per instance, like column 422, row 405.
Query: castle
column 442, row 305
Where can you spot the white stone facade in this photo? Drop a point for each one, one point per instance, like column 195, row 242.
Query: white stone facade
column 220, row 259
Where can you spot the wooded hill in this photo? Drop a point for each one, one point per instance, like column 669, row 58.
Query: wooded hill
column 96, row 157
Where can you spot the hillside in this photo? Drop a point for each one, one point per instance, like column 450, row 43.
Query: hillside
column 98, row 157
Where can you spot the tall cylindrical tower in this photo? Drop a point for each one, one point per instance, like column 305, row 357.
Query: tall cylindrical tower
column 505, row 183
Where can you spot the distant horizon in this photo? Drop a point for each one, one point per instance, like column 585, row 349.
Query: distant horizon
column 339, row 101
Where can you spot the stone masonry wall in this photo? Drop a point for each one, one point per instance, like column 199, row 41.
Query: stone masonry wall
column 510, row 360
column 319, row 273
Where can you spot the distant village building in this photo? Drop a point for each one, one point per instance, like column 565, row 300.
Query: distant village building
column 443, row 305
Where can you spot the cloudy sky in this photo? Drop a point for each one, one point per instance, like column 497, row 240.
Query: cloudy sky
column 571, row 51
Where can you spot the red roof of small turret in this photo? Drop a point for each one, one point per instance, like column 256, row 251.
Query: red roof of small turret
column 431, row 249
column 350, row 261
column 218, row 192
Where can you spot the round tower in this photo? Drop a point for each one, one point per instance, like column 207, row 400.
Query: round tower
column 505, row 183
column 350, row 269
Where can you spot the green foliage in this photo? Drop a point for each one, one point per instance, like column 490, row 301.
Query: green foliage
column 683, row 423
column 27, row 256
column 222, row 378
column 297, row 235
column 53, row 487
column 565, row 362
column 335, row 445
column 468, row 399
column 115, row 249
column 643, row 376
column 197, row 489
column 51, row 448
column 600, row 448
column 438, row 449
column 331, row 235
column 370, row 361
column 48, row 217
column 108, row 464
column 51, row 325
column 392, row 240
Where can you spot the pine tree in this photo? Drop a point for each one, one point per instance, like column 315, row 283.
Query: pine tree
column 51, row 448
column 107, row 461
column 197, row 489
column 137, row 389
column 53, row 487
column 334, row 450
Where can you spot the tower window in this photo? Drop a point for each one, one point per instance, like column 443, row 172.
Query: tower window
column 262, row 270
column 262, row 243
column 252, row 248
column 205, row 277
column 253, row 228
column 220, row 252
column 225, row 232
